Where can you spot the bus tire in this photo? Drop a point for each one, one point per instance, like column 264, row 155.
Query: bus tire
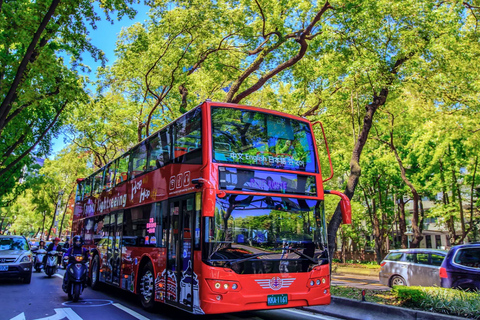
column 146, row 287
column 94, row 280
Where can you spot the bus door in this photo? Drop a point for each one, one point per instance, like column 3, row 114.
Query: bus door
column 180, row 279
column 114, row 248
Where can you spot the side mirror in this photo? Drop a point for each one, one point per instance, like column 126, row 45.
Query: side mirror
column 209, row 199
column 345, row 206
column 324, row 151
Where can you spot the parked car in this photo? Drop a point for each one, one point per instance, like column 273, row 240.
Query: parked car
column 15, row 258
column 411, row 267
column 461, row 267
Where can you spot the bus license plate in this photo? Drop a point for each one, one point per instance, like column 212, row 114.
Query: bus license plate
column 3, row 268
column 277, row 299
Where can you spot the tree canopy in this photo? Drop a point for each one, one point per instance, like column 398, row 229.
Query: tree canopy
column 395, row 84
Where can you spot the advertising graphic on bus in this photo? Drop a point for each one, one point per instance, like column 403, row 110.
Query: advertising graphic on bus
column 220, row 211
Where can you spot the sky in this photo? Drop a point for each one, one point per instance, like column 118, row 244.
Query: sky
column 104, row 38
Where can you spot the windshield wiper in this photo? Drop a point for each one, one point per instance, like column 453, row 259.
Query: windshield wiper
column 230, row 262
column 301, row 254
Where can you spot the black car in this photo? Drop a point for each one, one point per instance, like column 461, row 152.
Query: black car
column 461, row 267
column 15, row 258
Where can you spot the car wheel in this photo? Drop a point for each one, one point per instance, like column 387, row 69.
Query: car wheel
column 397, row 281
column 94, row 283
column 147, row 287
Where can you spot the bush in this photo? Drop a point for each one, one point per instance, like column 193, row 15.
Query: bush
column 441, row 300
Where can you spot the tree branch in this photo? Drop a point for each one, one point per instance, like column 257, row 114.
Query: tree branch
column 7, row 101
column 23, row 155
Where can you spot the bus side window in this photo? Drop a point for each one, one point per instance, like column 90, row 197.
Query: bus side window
column 110, row 176
column 79, row 193
column 187, row 141
column 159, row 150
column 88, row 187
column 122, row 169
column 98, row 182
column 138, row 160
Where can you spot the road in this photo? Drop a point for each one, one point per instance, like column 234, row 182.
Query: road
column 43, row 299
column 359, row 281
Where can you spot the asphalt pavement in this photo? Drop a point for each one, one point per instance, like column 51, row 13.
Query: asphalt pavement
column 43, row 299
column 358, row 281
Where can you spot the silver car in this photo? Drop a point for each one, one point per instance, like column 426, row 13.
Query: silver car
column 412, row 267
column 15, row 258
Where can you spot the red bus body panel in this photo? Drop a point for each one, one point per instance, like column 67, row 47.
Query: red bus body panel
column 175, row 180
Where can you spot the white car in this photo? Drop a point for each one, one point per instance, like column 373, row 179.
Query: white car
column 15, row 258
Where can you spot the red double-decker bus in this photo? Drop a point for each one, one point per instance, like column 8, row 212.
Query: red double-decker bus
column 220, row 211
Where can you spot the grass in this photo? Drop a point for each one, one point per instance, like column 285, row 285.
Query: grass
column 440, row 300
column 358, row 266
column 353, row 268
column 432, row 299
column 377, row 296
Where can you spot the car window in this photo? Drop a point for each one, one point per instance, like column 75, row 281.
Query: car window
column 394, row 256
column 410, row 257
column 437, row 259
column 13, row 244
column 422, row 258
column 469, row 257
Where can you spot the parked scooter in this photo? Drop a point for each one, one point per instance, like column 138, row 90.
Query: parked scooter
column 77, row 278
column 38, row 262
column 52, row 262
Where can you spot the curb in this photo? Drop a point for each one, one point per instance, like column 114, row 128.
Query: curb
column 350, row 309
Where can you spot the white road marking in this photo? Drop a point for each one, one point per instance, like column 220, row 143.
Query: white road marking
column 88, row 303
column 58, row 275
column 130, row 312
column 70, row 314
column 21, row 316
column 309, row 314
column 62, row 314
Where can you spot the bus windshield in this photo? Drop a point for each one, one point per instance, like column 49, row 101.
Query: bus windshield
column 262, row 139
column 266, row 234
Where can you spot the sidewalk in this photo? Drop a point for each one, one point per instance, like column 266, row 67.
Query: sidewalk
column 350, row 309
column 358, row 281
column 362, row 278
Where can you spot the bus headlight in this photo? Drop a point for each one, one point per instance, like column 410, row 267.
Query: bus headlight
column 223, row 286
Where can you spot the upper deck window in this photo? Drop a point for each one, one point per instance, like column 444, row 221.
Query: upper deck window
column 257, row 138
column 187, row 138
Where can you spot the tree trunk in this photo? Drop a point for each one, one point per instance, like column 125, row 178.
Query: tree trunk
column 460, row 202
column 65, row 212
column 53, row 221
column 402, row 222
column 355, row 169
column 43, row 225
column 416, row 227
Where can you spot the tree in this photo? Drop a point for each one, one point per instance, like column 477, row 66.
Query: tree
column 36, row 85
column 227, row 50
column 104, row 127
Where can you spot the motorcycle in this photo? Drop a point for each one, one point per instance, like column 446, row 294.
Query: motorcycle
column 64, row 259
column 77, row 278
column 39, row 255
column 51, row 264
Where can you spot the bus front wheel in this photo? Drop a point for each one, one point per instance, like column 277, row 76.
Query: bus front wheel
column 147, row 287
